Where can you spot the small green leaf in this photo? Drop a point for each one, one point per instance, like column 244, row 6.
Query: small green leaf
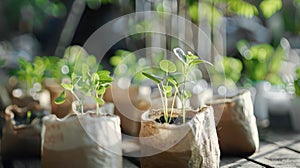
column 187, row 94
column 167, row 66
column 85, row 71
column 173, row 81
column 99, row 101
column 95, row 78
column 104, row 76
column 269, row 7
column 115, row 60
column 61, row 98
column 67, row 86
column 103, row 73
column 195, row 62
column 169, row 94
column 152, row 77
column 167, row 88
column 101, row 90
column 180, row 54
column 29, row 114
column 75, row 79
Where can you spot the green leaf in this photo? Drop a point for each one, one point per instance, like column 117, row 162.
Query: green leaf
column 195, row 62
column 180, row 54
column 241, row 7
column 75, row 79
column 167, row 88
column 167, row 66
column 269, row 7
column 61, row 98
column 169, row 94
column 173, row 81
column 103, row 73
column 67, row 86
column 104, row 76
column 85, row 71
column 187, row 94
column 115, row 60
column 152, row 77
column 99, row 101
column 101, row 90
column 95, row 78
column 298, row 72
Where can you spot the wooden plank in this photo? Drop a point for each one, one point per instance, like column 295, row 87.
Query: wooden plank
column 281, row 137
column 238, row 162
column 244, row 162
column 279, row 157
column 295, row 146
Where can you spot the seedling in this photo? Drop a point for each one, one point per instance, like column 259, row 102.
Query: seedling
column 90, row 83
column 170, row 85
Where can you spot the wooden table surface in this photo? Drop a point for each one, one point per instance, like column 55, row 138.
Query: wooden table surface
column 278, row 148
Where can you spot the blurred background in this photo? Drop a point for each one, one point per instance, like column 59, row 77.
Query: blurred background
column 250, row 42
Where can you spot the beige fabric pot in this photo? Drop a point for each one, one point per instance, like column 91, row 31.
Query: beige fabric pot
column 236, row 124
column 128, row 106
column 193, row 144
column 22, row 140
column 82, row 140
column 55, row 89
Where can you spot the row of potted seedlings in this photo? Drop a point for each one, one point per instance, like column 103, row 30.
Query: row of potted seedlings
column 87, row 133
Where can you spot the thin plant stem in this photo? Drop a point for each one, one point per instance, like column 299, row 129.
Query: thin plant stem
column 79, row 101
column 162, row 100
column 172, row 107
column 183, row 101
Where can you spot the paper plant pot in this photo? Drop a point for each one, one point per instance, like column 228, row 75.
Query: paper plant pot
column 60, row 110
column 236, row 124
column 193, row 144
column 129, row 106
column 84, row 140
column 20, row 138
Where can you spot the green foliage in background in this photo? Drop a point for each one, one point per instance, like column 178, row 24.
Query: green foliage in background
column 127, row 64
column 93, row 4
column 262, row 61
column 227, row 72
column 297, row 82
column 86, row 78
column 213, row 9
column 33, row 12
column 2, row 62
column 35, row 72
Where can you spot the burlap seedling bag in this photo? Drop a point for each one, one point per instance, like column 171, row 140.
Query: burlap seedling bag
column 129, row 106
column 82, row 140
column 20, row 138
column 193, row 144
column 236, row 128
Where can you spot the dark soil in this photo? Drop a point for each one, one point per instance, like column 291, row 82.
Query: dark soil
column 174, row 120
column 23, row 119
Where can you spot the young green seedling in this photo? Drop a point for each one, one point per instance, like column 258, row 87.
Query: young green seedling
column 170, row 86
column 92, row 84
column 165, row 87
column 189, row 61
